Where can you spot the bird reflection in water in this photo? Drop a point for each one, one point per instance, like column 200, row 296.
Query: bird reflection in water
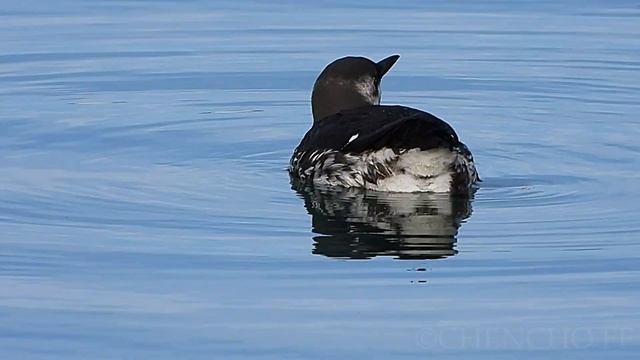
column 358, row 224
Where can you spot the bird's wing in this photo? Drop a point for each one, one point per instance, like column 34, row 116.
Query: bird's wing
column 377, row 127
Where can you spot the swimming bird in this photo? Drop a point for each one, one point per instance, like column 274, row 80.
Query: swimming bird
column 356, row 142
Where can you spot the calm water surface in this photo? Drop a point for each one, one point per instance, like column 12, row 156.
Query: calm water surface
column 145, row 210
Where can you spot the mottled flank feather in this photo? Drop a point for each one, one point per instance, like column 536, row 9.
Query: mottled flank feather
column 435, row 170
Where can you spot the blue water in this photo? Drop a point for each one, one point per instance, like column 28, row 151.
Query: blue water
column 145, row 210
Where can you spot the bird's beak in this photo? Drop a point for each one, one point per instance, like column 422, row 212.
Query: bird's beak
column 385, row 64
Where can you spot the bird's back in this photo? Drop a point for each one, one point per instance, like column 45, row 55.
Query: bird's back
column 392, row 148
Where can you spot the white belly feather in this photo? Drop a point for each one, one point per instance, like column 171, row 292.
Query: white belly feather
column 419, row 171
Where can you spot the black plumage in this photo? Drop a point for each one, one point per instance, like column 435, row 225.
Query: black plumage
column 379, row 126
